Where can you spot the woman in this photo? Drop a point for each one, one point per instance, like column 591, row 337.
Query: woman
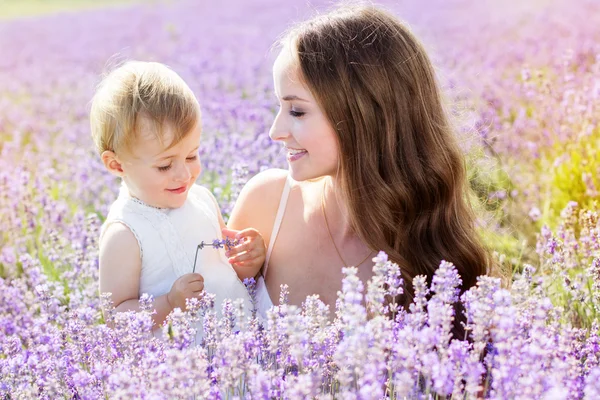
column 373, row 163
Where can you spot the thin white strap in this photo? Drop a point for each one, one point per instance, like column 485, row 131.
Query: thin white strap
column 278, row 218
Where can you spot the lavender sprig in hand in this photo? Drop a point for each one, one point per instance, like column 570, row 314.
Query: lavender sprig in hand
column 216, row 244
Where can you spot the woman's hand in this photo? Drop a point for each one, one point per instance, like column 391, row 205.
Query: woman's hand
column 248, row 257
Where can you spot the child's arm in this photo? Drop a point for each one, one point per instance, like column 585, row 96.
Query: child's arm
column 120, row 268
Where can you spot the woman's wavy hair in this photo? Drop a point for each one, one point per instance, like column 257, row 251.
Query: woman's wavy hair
column 402, row 171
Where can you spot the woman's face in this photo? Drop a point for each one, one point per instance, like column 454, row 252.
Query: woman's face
column 300, row 125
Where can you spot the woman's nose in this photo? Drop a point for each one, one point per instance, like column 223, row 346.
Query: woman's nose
column 279, row 129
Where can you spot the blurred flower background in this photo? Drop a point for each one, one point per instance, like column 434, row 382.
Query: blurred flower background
column 522, row 83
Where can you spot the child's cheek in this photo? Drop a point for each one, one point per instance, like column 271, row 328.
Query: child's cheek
column 197, row 169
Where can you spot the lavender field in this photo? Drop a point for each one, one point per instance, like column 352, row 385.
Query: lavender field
column 522, row 82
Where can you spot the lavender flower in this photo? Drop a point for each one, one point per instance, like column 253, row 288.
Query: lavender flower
column 533, row 164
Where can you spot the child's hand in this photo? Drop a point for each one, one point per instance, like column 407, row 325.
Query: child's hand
column 185, row 287
column 248, row 257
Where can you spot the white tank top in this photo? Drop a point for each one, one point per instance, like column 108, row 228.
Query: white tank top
column 168, row 239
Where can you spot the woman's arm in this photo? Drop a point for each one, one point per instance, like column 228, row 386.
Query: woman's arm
column 120, row 269
column 247, row 257
column 257, row 204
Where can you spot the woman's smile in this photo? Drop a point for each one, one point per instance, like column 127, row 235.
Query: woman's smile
column 295, row 154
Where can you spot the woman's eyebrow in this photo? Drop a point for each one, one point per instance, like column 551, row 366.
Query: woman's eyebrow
column 292, row 97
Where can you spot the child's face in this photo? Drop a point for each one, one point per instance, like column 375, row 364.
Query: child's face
column 301, row 125
column 162, row 177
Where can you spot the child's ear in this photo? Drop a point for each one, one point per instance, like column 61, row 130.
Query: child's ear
column 112, row 163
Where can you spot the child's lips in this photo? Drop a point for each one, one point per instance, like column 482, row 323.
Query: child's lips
column 178, row 190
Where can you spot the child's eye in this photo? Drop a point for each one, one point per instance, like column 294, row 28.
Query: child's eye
column 296, row 114
column 165, row 168
column 192, row 158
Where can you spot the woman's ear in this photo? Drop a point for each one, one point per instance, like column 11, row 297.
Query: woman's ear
column 112, row 163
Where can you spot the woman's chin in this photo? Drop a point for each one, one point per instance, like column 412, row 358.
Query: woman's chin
column 300, row 175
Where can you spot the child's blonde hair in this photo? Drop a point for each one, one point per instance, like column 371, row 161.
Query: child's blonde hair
column 141, row 89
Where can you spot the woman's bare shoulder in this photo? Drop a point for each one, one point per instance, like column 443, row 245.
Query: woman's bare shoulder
column 258, row 201
column 271, row 179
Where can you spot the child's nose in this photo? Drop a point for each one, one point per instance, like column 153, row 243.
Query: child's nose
column 183, row 173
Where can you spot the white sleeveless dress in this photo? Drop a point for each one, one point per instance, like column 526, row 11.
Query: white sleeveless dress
column 263, row 300
column 168, row 239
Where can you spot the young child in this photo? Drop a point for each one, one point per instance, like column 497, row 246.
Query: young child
column 145, row 122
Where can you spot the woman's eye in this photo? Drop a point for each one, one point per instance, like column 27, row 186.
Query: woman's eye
column 296, row 114
column 192, row 158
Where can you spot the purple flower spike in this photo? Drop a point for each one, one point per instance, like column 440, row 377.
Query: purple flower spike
column 531, row 94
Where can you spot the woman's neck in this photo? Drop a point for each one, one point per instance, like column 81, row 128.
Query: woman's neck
column 335, row 208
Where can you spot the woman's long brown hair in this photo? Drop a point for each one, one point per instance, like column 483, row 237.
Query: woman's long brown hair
column 402, row 172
